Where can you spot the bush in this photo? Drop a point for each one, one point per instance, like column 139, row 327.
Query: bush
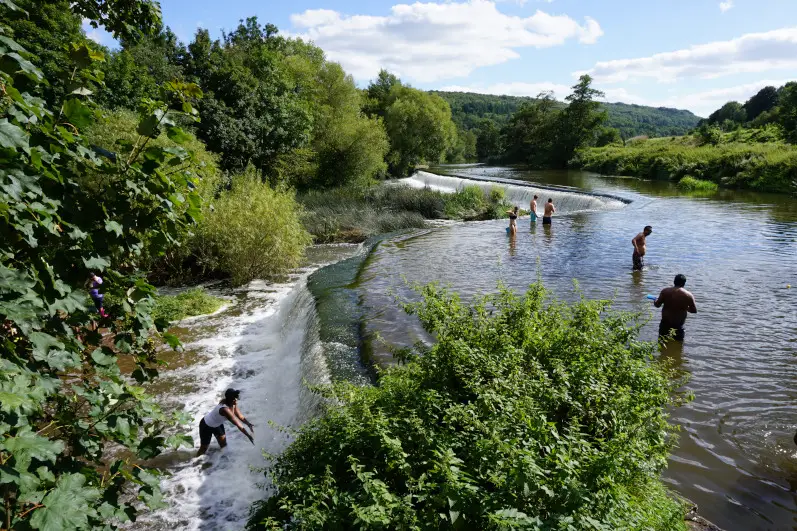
column 187, row 304
column 690, row 184
column 523, row 415
column 253, row 232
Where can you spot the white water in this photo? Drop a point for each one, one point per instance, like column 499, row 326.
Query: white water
column 518, row 193
column 267, row 346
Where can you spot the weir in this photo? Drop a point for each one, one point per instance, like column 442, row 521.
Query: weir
column 520, row 193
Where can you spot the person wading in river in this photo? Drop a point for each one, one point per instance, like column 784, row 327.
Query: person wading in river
column 212, row 424
column 677, row 303
column 533, row 211
column 640, row 246
column 512, row 220
column 549, row 210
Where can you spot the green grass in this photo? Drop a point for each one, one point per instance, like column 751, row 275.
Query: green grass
column 762, row 166
column 187, row 304
column 690, row 184
column 355, row 213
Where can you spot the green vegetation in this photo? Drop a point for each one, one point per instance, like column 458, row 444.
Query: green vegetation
column 525, row 414
column 353, row 214
column 189, row 303
column 734, row 160
column 72, row 425
column 254, row 232
column 690, row 184
column 470, row 110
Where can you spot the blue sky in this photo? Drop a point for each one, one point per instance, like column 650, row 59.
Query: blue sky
column 693, row 54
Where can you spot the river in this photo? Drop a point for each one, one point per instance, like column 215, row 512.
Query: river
column 736, row 458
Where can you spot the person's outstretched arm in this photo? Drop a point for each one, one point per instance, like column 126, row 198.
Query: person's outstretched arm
column 658, row 302
column 232, row 418
column 692, row 308
column 240, row 415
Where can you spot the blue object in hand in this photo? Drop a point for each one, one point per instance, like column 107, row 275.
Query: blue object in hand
column 651, row 297
column 507, row 230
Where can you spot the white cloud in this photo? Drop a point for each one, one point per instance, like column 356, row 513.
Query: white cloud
column 98, row 35
column 725, row 6
column 753, row 52
column 701, row 103
column 432, row 41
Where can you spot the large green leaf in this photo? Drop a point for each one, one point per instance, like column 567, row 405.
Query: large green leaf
column 27, row 445
column 68, row 506
column 77, row 113
column 12, row 136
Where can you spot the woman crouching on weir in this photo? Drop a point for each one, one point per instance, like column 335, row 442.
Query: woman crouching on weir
column 212, row 424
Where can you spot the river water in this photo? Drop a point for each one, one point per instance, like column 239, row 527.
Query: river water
column 736, row 458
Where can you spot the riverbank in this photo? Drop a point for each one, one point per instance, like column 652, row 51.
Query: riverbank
column 765, row 166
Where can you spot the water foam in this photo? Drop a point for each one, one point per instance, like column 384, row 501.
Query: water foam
column 518, row 193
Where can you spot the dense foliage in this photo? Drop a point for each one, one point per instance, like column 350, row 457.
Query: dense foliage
column 524, row 414
column 765, row 166
column 71, row 424
column 189, row 303
column 469, row 110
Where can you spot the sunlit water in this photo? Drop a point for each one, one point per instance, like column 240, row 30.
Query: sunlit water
column 736, row 458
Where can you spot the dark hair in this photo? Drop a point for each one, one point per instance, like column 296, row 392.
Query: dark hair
column 536, row 197
column 680, row 280
column 648, row 227
column 550, row 200
column 516, row 208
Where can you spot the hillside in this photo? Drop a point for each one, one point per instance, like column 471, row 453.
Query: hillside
column 469, row 108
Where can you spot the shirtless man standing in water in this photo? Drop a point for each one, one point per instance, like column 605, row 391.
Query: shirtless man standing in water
column 640, row 246
column 533, row 211
column 677, row 303
column 549, row 210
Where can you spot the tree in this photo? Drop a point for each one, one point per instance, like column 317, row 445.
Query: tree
column 533, row 132
column 788, row 110
column 488, row 140
column 462, row 148
column 419, row 127
column 731, row 112
column 765, row 100
column 579, row 120
column 63, row 397
column 608, row 136
column 378, row 93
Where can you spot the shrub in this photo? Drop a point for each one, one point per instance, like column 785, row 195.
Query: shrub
column 253, row 232
column 690, row 184
column 186, row 304
column 525, row 414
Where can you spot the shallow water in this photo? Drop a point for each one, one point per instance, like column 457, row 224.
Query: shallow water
column 736, row 458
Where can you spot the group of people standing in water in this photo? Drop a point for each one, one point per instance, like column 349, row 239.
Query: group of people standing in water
column 677, row 302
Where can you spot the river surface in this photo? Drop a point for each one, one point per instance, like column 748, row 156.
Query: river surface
column 736, row 458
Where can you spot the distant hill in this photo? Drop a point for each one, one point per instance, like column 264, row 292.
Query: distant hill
column 469, row 108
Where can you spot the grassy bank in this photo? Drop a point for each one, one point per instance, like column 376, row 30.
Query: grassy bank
column 762, row 166
column 352, row 214
column 525, row 414
column 187, row 304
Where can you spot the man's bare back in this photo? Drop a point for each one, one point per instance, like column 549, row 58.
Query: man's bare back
column 677, row 303
column 549, row 210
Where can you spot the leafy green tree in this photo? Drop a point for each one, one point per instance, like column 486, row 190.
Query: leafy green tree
column 488, row 140
column 788, row 110
column 579, row 121
column 140, row 68
column 378, row 94
column 764, row 100
column 462, row 148
column 532, row 133
column 524, row 414
column 419, row 127
column 732, row 112
column 608, row 136
column 63, row 398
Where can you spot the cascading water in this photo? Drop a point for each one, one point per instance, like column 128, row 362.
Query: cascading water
column 518, row 192
column 267, row 345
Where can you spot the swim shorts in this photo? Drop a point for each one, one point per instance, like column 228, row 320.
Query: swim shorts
column 665, row 329
column 533, row 217
column 206, row 432
column 546, row 220
column 638, row 262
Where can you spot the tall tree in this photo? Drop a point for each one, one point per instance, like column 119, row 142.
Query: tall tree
column 488, row 140
column 788, row 110
column 378, row 93
column 533, row 132
column 764, row 100
column 579, row 120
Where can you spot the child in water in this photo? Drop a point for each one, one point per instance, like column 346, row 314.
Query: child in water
column 93, row 285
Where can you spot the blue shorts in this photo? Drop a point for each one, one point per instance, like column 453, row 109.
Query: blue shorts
column 533, row 216
column 98, row 301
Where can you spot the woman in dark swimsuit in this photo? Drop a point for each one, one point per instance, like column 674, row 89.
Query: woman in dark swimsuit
column 512, row 220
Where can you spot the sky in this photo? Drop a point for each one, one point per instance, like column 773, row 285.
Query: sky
column 686, row 54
